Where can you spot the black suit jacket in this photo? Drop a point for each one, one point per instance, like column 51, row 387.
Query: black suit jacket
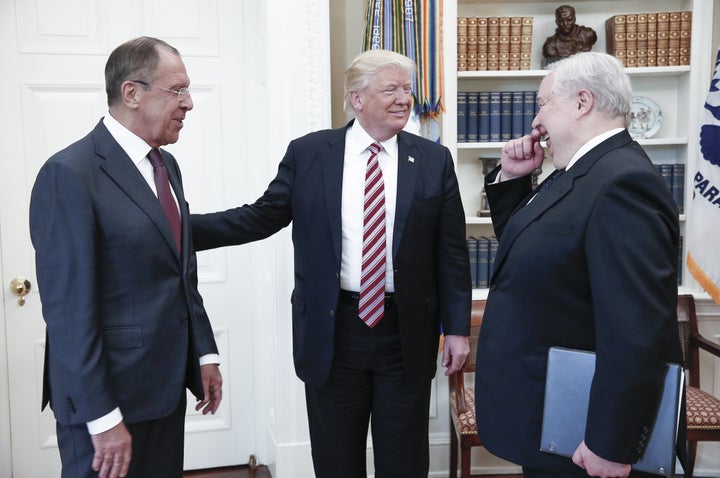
column 125, row 321
column 591, row 264
column 430, row 258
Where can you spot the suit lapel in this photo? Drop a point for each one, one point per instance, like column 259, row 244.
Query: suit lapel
column 332, row 160
column 407, row 177
column 118, row 165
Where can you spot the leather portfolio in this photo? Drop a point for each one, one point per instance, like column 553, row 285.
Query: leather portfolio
column 567, row 394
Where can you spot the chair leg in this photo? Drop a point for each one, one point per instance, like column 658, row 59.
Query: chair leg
column 453, row 450
column 692, row 451
column 465, row 461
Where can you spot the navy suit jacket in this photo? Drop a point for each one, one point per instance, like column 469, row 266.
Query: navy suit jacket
column 125, row 321
column 591, row 263
column 430, row 258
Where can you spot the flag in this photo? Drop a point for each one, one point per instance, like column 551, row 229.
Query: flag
column 414, row 29
column 703, row 257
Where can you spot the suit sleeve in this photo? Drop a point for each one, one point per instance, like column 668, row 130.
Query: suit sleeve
column 631, row 245
column 63, row 232
column 250, row 222
column 454, row 283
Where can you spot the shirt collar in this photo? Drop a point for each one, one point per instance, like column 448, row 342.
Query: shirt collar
column 357, row 140
column 591, row 144
column 132, row 144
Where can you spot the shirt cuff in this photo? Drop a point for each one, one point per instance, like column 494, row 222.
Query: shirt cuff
column 210, row 358
column 105, row 423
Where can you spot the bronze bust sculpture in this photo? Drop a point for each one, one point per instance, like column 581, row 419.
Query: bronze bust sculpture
column 569, row 38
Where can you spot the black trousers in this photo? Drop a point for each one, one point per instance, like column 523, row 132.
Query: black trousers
column 367, row 385
column 157, row 447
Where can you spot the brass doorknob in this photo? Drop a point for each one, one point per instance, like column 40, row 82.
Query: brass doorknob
column 20, row 286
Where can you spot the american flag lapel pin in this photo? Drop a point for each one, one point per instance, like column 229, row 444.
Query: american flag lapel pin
column 411, row 159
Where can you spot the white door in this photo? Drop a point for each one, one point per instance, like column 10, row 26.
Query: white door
column 53, row 54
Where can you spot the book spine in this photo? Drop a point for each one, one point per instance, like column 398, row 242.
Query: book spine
column 462, row 116
column 505, row 116
column 663, row 38
column 674, row 39
column 483, row 248
column 472, row 117
column 484, row 117
column 493, row 43
column 492, row 252
column 472, row 245
column 494, row 116
column 652, row 39
column 678, row 186
column 685, row 37
column 631, row 40
column 504, row 44
column 482, row 41
column 529, row 99
column 515, row 42
column 526, row 43
column 462, row 44
column 642, row 40
column 666, row 173
column 518, row 114
column 615, row 37
column 472, row 44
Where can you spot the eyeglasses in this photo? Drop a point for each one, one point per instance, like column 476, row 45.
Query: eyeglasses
column 180, row 92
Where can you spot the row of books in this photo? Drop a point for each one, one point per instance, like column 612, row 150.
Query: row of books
column 494, row 43
column 650, row 39
column 494, row 115
column 482, row 252
column 674, row 175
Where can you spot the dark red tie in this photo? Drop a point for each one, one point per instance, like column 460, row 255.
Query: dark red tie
column 371, row 305
column 165, row 195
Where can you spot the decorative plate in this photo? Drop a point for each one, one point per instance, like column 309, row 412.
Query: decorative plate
column 645, row 118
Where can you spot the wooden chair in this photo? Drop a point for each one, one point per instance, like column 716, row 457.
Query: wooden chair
column 463, row 428
column 703, row 409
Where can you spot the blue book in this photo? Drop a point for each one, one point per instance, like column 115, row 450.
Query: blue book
column 529, row 98
column 462, row 116
column 666, row 173
column 678, row 185
column 494, row 116
column 492, row 252
column 472, row 245
column 518, row 111
column 484, row 120
column 505, row 116
column 483, row 249
column 472, row 117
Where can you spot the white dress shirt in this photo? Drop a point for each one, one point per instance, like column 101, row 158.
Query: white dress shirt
column 357, row 153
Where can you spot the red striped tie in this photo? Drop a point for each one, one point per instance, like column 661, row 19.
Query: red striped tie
column 371, row 306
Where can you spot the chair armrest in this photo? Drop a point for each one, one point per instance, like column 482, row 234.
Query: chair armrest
column 707, row 345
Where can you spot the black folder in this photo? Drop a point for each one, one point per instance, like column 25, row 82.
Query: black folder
column 567, row 394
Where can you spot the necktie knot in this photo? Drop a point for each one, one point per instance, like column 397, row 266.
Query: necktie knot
column 374, row 148
column 155, row 158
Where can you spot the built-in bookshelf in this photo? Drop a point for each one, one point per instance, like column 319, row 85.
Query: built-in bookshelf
column 679, row 90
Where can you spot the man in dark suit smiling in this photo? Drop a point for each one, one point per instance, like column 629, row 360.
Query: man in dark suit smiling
column 381, row 264
column 589, row 263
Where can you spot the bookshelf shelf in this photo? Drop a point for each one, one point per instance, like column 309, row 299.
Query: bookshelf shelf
column 678, row 90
